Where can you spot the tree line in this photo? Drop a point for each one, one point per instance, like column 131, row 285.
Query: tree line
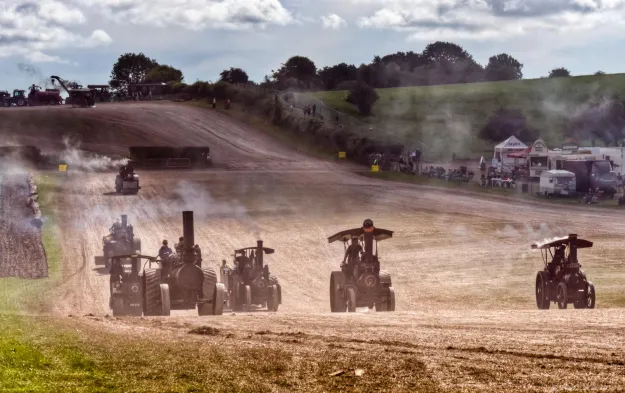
column 439, row 63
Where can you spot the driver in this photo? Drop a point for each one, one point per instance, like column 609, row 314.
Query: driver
column 353, row 252
column 164, row 251
column 117, row 225
column 129, row 171
column 558, row 258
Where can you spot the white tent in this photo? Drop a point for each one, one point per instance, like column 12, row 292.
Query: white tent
column 510, row 145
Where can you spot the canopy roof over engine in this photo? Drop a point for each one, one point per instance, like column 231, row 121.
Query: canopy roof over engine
column 579, row 243
column 379, row 234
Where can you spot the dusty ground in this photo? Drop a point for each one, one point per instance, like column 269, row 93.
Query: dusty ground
column 21, row 250
column 461, row 262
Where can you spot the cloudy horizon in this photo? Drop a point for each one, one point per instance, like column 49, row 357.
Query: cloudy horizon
column 81, row 39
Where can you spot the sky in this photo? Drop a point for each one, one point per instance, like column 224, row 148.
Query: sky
column 81, row 39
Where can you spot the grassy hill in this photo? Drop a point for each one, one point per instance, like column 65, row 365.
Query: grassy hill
column 448, row 118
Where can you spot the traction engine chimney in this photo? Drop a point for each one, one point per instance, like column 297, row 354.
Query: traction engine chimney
column 189, row 236
column 124, row 220
column 259, row 252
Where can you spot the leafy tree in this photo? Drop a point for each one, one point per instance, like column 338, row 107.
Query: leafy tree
column 300, row 68
column 164, row 74
column 333, row 76
column 234, row 76
column 559, row 73
column 447, row 62
column 503, row 67
column 441, row 52
column 504, row 123
column 363, row 96
column 599, row 73
column 130, row 68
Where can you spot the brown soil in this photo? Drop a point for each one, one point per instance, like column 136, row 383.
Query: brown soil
column 461, row 262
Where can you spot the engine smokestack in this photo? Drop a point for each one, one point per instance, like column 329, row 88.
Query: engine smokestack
column 259, row 252
column 573, row 248
column 188, row 233
column 124, row 220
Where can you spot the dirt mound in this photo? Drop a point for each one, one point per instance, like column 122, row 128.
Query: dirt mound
column 21, row 249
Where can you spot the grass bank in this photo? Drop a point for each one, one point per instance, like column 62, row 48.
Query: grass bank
column 449, row 117
column 81, row 356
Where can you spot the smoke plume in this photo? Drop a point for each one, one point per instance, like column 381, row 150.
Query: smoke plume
column 79, row 160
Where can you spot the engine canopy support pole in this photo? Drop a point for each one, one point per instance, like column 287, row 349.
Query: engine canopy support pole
column 573, row 248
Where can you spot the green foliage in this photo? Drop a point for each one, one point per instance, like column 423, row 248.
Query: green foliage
column 223, row 90
column 298, row 68
column 504, row 123
column 559, row 73
column 363, row 96
column 164, row 74
column 234, row 76
column 503, row 67
column 130, row 68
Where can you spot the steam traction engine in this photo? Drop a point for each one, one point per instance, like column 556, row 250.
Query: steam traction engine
column 249, row 282
column 360, row 282
column 180, row 283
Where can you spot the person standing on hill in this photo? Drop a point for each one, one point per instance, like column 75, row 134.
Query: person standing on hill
column 214, row 102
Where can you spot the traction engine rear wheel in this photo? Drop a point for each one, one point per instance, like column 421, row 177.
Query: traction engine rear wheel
column 542, row 292
column 218, row 299
column 391, row 299
column 165, row 300
column 590, row 296
column 273, row 301
column 337, row 301
column 351, row 299
column 247, row 298
column 563, row 297
column 151, row 292
column 208, row 292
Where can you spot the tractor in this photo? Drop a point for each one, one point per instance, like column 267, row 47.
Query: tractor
column 249, row 282
column 5, row 98
column 18, row 98
column 120, row 241
column 563, row 281
column 360, row 282
column 38, row 97
column 127, row 181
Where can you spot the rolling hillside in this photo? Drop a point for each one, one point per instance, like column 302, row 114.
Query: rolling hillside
column 447, row 118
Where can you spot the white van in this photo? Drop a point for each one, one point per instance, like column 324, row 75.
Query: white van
column 557, row 182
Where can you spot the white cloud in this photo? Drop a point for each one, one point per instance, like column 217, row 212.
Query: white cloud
column 333, row 21
column 491, row 19
column 28, row 28
column 195, row 14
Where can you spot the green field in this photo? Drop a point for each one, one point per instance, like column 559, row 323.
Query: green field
column 447, row 118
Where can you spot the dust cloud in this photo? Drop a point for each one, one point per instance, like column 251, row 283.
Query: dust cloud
column 79, row 160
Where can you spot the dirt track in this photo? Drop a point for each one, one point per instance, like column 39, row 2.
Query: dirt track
column 461, row 263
